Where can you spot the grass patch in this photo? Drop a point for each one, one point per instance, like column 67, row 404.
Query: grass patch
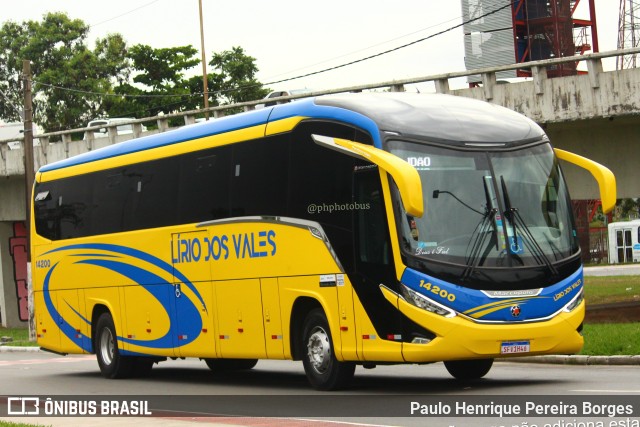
column 19, row 337
column 609, row 289
column 12, row 424
column 611, row 339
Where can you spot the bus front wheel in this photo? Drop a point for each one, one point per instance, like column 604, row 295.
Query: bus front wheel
column 468, row 369
column 112, row 364
column 323, row 370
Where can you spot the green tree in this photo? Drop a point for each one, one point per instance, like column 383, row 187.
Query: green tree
column 64, row 70
column 73, row 84
column 231, row 79
column 629, row 208
column 162, row 72
column 159, row 74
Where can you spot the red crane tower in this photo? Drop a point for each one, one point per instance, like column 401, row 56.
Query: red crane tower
column 528, row 30
column 628, row 32
column 545, row 29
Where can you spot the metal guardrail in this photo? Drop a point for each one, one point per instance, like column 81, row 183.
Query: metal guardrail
column 441, row 81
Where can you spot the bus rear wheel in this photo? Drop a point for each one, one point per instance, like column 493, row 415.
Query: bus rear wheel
column 323, row 370
column 112, row 364
column 469, row 369
column 222, row 365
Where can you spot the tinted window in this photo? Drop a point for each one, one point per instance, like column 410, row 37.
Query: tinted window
column 156, row 188
column 75, row 208
column 205, row 178
column 260, row 177
column 114, row 198
column 285, row 174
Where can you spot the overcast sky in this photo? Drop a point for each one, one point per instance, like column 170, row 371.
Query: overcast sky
column 290, row 38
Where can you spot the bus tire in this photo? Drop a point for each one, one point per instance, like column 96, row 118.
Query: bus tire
column 112, row 364
column 468, row 369
column 323, row 370
column 224, row 365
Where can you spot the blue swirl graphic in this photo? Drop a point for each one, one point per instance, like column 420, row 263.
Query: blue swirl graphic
column 189, row 320
column 135, row 253
column 79, row 339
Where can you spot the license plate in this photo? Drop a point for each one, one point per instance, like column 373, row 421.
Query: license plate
column 513, row 347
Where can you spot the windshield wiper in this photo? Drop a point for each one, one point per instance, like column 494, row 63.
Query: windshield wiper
column 474, row 257
column 514, row 218
column 487, row 219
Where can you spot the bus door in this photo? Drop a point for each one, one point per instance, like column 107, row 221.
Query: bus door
column 194, row 332
column 373, row 264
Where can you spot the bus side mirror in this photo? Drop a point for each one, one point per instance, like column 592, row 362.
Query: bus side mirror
column 605, row 178
column 405, row 176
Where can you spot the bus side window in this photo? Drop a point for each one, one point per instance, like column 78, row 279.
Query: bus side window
column 260, row 164
column 155, row 189
column 205, row 181
column 74, row 205
column 46, row 211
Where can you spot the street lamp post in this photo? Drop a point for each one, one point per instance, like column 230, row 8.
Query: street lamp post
column 28, row 180
column 204, row 65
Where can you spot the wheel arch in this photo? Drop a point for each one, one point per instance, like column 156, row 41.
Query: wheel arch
column 98, row 310
column 301, row 308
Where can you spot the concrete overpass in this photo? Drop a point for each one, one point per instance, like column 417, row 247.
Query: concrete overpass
column 595, row 114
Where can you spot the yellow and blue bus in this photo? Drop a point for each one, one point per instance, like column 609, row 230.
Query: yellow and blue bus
column 354, row 229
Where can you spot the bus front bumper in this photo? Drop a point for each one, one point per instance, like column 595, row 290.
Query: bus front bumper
column 461, row 338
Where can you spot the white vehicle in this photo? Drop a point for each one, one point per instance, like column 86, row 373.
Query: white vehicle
column 16, row 130
column 123, row 129
column 279, row 93
column 624, row 241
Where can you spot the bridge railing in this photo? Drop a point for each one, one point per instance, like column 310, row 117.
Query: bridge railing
column 440, row 81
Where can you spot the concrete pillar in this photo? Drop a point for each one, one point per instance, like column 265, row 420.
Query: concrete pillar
column 594, row 67
column 137, row 130
column 13, row 277
column 539, row 74
column 612, row 143
column 163, row 125
column 442, row 85
column 488, row 83
column 12, row 199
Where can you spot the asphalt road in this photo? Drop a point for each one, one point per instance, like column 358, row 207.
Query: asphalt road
column 279, row 388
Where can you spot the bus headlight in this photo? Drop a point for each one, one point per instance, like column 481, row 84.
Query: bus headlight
column 425, row 303
column 576, row 301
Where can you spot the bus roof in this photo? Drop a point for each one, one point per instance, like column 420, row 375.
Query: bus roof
column 444, row 118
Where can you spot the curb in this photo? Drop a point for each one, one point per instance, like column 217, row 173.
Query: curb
column 577, row 360
column 15, row 349
column 550, row 359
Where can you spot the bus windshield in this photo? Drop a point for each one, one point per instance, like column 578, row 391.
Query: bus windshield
column 499, row 208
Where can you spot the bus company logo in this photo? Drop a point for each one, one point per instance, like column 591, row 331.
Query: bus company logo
column 23, row 406
column 516, row 310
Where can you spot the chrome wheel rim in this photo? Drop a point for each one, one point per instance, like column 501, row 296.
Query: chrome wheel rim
column 319, row 350
column 107, row 346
